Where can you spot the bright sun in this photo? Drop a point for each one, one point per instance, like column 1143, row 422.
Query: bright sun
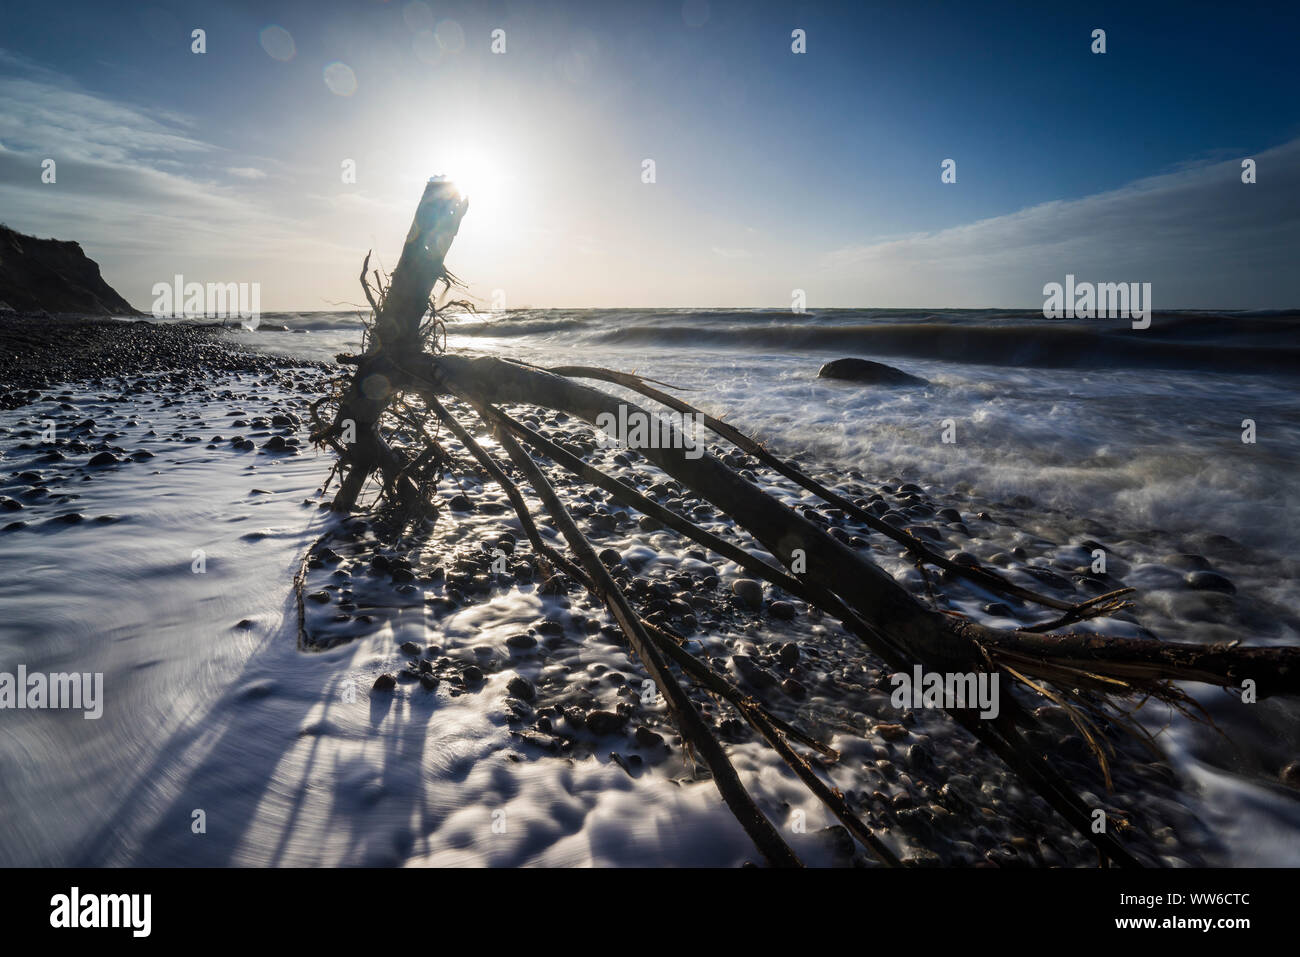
column 483, row 168
column 482, row 177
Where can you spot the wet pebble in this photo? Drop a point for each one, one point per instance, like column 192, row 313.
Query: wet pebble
column 521, row 688
column 748, row 591
column 891, row 732
column 1291, row 775
column 647, row 738
column 604, row 722
column 751, row 673
column 782, row 610
column 1210, row 581
column 919, row 758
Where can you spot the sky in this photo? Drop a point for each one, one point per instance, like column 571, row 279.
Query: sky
column 774, row 170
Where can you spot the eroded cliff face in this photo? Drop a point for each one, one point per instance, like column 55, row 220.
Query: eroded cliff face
column 55, row 276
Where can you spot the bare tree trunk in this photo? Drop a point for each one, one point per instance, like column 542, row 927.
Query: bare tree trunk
column 897, row 627
column 396, row 332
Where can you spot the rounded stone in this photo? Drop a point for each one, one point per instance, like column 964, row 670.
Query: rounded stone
column 748, row 591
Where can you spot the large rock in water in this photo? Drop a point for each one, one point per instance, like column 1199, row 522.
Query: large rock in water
column 864, row 370
column 55, row 276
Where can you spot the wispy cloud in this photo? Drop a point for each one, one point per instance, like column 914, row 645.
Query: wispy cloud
column 140, row 190
column 1200, row 235
column 45, row 113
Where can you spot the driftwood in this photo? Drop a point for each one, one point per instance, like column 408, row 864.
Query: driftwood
column 403, row 364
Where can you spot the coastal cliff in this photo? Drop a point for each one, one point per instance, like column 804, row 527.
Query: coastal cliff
column 53, row 276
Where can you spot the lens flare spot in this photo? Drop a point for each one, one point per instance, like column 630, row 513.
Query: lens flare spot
column 277, row 42
column 340, row 79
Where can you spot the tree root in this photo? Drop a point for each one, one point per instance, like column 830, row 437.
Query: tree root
column 405, row 356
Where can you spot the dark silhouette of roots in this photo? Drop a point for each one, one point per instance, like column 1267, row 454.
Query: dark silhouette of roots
column 395, row 388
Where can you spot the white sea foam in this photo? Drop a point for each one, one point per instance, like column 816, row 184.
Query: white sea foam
column 201, row 715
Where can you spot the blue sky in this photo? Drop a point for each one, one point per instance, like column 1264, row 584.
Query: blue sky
column 774, row 170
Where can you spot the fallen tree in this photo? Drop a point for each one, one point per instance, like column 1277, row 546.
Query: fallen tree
column 404, row 373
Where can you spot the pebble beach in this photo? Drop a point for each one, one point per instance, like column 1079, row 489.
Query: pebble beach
column 445, row 704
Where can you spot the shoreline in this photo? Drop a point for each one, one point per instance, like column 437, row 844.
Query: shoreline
column 526, row 669
column 38, row 352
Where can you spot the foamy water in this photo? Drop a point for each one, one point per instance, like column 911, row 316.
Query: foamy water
column 210, row 707
column 202, row 714
column 1124, row 442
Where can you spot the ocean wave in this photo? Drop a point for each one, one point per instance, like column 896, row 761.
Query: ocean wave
column 522, row 327
column 1241, row 342
column 1016, row 344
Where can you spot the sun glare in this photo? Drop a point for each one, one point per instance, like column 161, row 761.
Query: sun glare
column 483, row 177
